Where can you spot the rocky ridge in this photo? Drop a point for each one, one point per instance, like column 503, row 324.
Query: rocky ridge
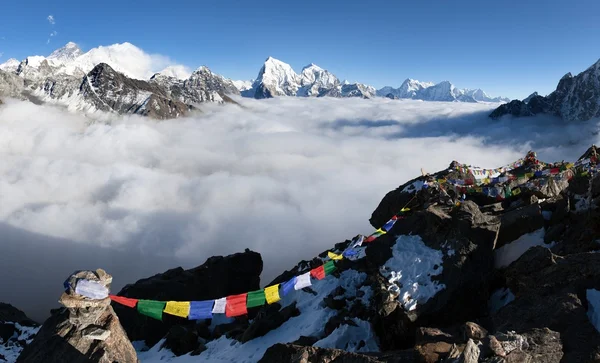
column 576, row 98
column 467, row 275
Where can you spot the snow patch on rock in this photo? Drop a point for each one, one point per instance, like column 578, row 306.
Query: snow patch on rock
column 410, row 269
column 511, row 252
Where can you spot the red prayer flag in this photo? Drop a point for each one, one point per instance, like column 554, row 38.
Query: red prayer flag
column 394, row 218
column 236, row 305
column 124, row 300
column 318, row 273
column 371, row 239
column 554, row 171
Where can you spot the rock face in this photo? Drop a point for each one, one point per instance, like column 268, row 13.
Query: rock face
column 16, row 331
column 576, row 98
column 217, row 277
column 85, row 330
column 107, row 90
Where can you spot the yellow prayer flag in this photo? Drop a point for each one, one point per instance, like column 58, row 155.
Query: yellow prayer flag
column 380, row 231
column 486, row 181
column 441, row 181
column 333, row 256
column 517, row 191
column 479, row 190
column 570, row 165
column 404, row 209
column 272, row 294
column 529, row 175
column 178, row 308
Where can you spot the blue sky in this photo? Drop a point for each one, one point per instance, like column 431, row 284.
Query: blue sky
column 507, row 48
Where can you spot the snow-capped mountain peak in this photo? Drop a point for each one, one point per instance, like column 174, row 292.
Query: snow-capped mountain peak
column 276, row 78
column 10, row 65
column 67, row 53
column 176, row 71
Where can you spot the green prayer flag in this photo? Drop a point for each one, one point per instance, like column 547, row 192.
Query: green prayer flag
column 151, row 308
column 256, row 298
column 329, row 267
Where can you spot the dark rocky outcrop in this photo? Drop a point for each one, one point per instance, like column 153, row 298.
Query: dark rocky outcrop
column 217, row 277
column 110, row 91
column 85, row 330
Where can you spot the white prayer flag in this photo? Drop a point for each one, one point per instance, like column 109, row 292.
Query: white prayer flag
column 302, row 281
column 219, row 307
column 91, row 289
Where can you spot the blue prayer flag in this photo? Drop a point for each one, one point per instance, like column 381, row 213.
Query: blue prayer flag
column 386, row 227
column 287, row 287
column 201, row 310
column 349, row 252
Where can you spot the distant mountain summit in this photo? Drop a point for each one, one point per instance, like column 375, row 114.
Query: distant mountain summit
column 67, row 53
column 443, row 91
column 277, row 78
column 61, row 79
column 576, row 98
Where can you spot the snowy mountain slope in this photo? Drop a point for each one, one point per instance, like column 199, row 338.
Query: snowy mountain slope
column 62, row 79
column 176, row 71
column 576, row 98
column 408, row 89
column 243, row 85
column 314, row 78
column 202, row 86
column 10, row 65
column 443, row 91
column 65, row 54
column 277, row 78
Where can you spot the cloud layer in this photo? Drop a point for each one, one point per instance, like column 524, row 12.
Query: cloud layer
column 286, row 177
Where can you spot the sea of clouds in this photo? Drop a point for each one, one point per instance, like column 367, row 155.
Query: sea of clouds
column 286, row 177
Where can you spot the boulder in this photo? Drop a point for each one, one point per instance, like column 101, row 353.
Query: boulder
column 218, row 277
column 550, row 293
column 85, row 330
column 518, row 222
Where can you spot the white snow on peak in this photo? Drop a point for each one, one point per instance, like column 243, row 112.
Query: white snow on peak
column 35, row 60
column 279, row 77
column 67, row 53
column 243, row 85
column 177, row 71
column 443, row 91
column 314, row 78
column 10, row 65
column 125, row 58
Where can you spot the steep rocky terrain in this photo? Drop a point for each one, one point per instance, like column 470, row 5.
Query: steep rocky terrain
column 16, row 331
column 479, row 265
column 576, row 98
column 74, row 80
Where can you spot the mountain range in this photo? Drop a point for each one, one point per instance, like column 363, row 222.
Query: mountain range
column 119, row 79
